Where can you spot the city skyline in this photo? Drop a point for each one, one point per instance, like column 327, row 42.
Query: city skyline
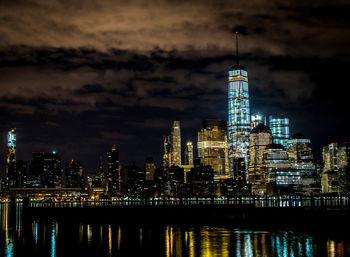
column 77, row 86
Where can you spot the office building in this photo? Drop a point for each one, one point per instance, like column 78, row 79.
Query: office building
column 281, row 178
column 150, row 168
column 279, row 126
column 45, row 170
column 75, row 175
column 212, row 146
column 11, row 176
column 260, row 138
column 175, row 144
column 113, row 171
column 329, row 154
column 301, row 158
column 172, row 147
column 238, row 113
column 189, row 154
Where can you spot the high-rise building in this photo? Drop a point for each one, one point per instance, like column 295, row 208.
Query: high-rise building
column 150, row 168
column 189, row 154
column 52, row 170
column 75, row 175
column 114, row 175
column 329, row 154
column 45, row 170
column 11, row 158
column 167, row 152
column 343, row 163
column 238, row 113
column 280, row 129
column 281, row 176
column 175, row 144
column 212, row 146
column 260, row 138
column 301, row 158
column 172, row 147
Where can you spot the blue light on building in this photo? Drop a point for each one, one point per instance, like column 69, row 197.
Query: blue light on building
column 280, row 130
column 11, row 138
column 238, row 115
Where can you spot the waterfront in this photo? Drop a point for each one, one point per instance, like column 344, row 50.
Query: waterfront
column 50, row 237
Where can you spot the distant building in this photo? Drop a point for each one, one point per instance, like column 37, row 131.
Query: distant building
column 175, row 144
column 113, row 171
column 212, row 146
column 301, row 158
column 189, row 154
column 343, row 163
column 150, row 168
column 280, row 129
column 200, row 180
column 260, row 138
column 172, row 147
column 167, row 152
column 336, row 169
column 75, row 175
column 329, row 154
column 281, row 176
column 11, row 174
column 45, row 170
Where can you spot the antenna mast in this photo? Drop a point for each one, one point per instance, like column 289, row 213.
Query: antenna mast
column 237, row 56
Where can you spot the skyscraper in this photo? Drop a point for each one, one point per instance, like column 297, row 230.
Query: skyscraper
column 114, row 176
column 11, row 157
column 75, row 175
column 212, row 146
column 301, row 158
column 45, row 170
column 175, row 144
column 189, row 154
column 167, row 152
column 280, row 130
column 238, row 113
column 260, row 138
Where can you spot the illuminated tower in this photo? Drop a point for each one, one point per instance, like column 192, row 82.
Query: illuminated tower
column 238, row 112
column 189, row 154
column 280, row 130
column 212, row 146
column 175, row 144
column 11, row 157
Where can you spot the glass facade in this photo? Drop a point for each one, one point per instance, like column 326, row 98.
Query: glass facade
column 238, row 115
column 212, row 146
column 280, row 130
column 11, row 153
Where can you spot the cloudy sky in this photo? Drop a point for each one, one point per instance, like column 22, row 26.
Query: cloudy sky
column 80, row 76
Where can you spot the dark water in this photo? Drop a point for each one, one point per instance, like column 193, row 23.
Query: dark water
column 21, row 237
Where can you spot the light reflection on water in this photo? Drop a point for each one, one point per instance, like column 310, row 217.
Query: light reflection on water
column 21, row 237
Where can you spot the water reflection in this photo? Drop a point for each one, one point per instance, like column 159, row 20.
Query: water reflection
column 23, row 237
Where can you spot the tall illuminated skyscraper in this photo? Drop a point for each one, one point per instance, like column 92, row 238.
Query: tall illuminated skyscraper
column 280, row 130
column 238, row 113
column 175, row 144
column 11, row 157
column 189, row 154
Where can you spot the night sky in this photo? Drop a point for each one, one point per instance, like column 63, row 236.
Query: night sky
column 80, row 76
